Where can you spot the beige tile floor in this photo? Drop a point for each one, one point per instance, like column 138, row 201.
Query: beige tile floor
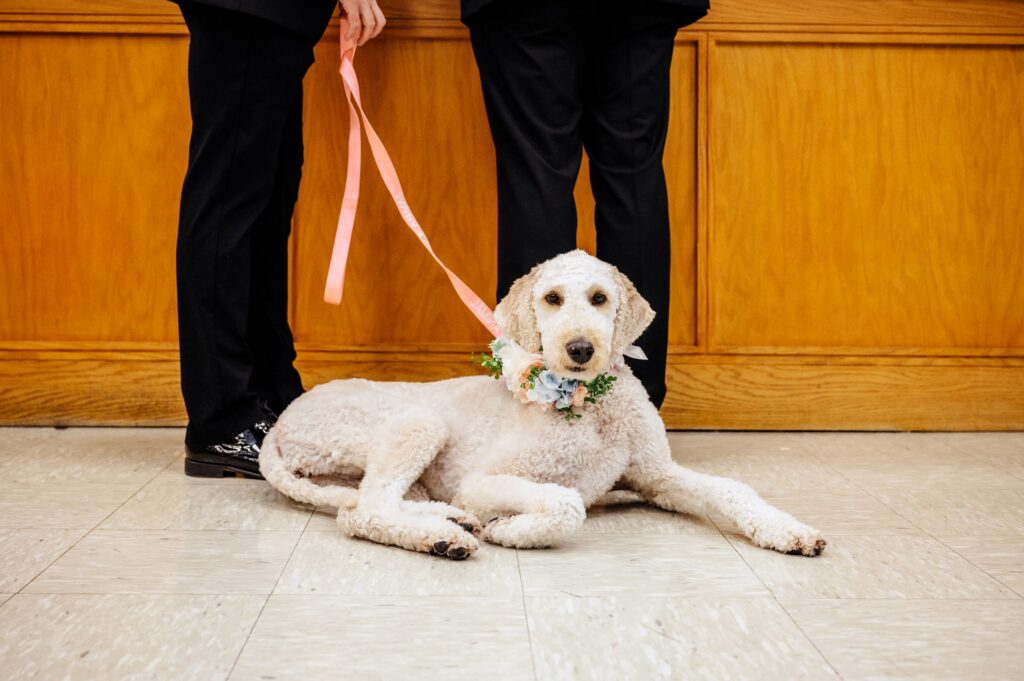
column 114, row 565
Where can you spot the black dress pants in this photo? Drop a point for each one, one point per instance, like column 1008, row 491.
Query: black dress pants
column 562, row 76
column 245, row 160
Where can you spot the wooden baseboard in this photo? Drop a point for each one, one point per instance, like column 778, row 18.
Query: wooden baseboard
column 140, row 387
column 770, row 395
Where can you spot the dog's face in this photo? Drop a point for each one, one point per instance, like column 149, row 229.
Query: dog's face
column 579, row 311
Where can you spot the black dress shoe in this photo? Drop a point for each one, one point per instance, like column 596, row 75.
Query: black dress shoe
column 270, row 413
column 238, row 457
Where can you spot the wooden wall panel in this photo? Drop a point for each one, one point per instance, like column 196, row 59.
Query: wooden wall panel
column 774, row 393
column 716, row 392
column 891, row 15
column 846, row 195
column 867, row 196
column 424, row 99
column 94, row 139
column 447, row 174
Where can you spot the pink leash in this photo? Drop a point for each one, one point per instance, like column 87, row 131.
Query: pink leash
column 347, row 216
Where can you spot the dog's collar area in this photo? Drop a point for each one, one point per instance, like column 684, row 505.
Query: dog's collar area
column 528, row 379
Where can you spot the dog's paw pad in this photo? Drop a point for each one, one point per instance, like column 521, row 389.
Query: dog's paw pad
column 452, row 551
column 467, row 524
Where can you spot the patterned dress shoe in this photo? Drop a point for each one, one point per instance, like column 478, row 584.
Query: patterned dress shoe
column 238, row 457
column 270, row 414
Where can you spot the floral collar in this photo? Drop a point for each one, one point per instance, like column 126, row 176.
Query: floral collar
column 529, row 380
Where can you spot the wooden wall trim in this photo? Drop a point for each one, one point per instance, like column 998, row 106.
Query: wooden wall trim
column 773, row 396
column 837, row 37
column 461, row 353
column 426, row 16
column 14, row 351
column 867, row 351
column 710, row 392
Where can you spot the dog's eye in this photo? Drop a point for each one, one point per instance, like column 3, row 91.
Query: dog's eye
column 553, row 298
column 598, row 298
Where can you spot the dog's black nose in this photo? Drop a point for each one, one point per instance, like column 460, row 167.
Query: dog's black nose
column 580, row 351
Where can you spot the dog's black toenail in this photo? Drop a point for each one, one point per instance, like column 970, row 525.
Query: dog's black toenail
column 457, row 553
column 468, row 527
column 440, row 548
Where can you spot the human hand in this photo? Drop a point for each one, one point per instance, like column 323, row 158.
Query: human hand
column 365, row 20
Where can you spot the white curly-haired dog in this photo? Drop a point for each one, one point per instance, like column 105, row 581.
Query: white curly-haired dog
column 424, row 461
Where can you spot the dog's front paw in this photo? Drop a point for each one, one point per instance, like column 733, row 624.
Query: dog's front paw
column 459, row 549
column 789, row 536
column 454, row 541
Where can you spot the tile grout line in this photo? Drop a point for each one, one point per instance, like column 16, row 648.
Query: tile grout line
column 526, row 616
column 873, row 599
column 978, row 567
column 926, row 532
column 779, row 603
column 266, row 600
column 980, row 459
column 90, row 530
column 950, row 548
column 809, row 451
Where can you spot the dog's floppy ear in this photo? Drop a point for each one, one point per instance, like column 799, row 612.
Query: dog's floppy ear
column 632, row 317
column 515, row 314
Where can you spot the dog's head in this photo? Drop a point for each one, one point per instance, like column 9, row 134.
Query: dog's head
column 579, row 311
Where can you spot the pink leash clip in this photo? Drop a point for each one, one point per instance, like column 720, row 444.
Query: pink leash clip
column 347, row 216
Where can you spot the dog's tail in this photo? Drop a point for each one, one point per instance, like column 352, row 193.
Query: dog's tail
column 277, row 473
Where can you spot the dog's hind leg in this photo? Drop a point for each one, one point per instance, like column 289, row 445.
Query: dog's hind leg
column 674, row 488
column 529, row 514
column 382, row 515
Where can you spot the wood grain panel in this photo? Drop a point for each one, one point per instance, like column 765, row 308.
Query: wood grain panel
column 900, row 15
column 867, row 196
column 447, row 173
column 774, row 395
column 77, row 390
column 84, row 388
column 118, row 8
column 94, row 136
column 424, row 99
column 846, row 194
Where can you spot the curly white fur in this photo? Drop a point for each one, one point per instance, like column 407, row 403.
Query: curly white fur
column 476, row 452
